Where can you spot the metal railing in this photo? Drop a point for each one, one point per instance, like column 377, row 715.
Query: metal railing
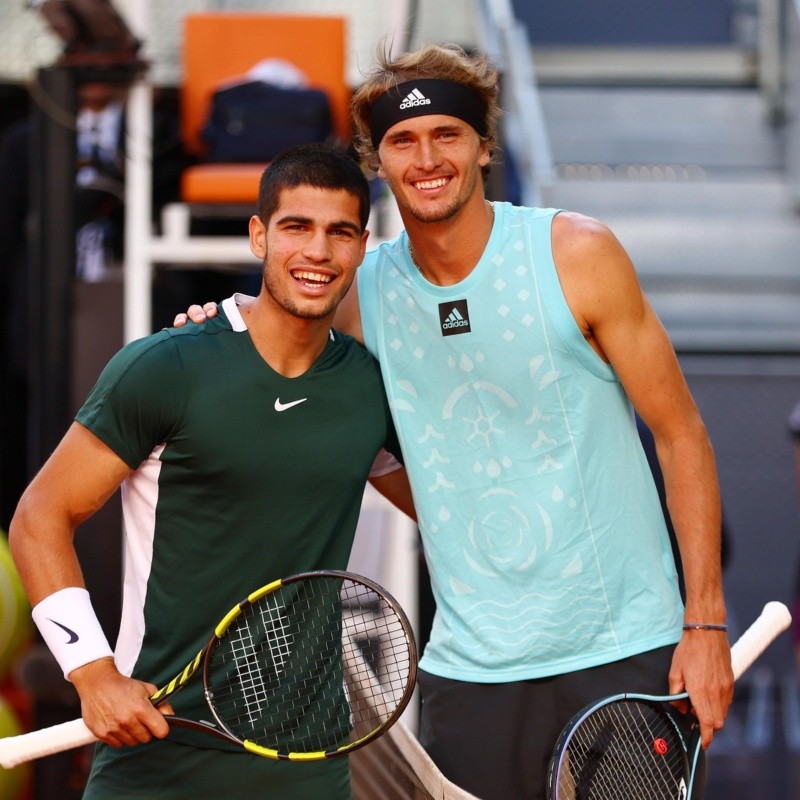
column 770, row 55
column 506, row 42
column 792, row 98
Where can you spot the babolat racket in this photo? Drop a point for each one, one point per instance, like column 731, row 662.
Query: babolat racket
column 630, row 747
column 305, row 668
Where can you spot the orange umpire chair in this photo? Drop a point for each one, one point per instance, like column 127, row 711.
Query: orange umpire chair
column 218, row 47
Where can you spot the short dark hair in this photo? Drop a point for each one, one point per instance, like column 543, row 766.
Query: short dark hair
column 318, row 165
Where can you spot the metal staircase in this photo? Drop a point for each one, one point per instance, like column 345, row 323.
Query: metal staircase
column 692, row 182
column 687, row 148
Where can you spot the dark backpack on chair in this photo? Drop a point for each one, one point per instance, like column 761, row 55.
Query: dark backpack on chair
column 254, row 121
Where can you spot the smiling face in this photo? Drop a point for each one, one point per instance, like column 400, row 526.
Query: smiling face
column 432, row 164
column 311, row 248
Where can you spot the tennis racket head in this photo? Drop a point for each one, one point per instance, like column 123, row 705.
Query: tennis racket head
column 631, row 747
column 625, row 747
column 310, row 667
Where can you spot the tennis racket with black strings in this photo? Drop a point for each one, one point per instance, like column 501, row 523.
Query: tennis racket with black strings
column 306, row 668
column 630, row 747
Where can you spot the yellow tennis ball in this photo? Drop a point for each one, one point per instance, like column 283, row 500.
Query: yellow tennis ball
column 15, row 612
column 12, row 781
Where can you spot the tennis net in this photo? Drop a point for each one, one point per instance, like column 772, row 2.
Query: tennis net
column 396, row 767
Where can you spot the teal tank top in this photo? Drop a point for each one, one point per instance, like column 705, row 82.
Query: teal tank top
column 542, row 528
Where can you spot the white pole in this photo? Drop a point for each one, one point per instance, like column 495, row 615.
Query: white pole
column 138, row 181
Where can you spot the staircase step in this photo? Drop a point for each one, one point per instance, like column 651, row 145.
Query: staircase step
column 721, row 322
column 713, row 128
column 719, row 260
column 651, row 192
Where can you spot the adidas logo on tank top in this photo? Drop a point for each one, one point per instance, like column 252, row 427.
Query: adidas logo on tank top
column 454, row 317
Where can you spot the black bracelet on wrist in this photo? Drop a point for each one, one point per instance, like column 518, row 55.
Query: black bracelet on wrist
column 704, row 626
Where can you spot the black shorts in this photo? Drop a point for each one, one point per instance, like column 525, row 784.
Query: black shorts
column 495, row 739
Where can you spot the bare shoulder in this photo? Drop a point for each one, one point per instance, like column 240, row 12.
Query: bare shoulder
column 585, row 249
column 596, row 274
column 579, row 236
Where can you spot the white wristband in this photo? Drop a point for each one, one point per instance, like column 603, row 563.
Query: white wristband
column 70, row 628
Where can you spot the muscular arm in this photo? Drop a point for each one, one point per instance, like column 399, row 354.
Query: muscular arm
column 74, row 483
column 607, row 302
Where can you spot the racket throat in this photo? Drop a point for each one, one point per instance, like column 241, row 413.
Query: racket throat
column 202, row 726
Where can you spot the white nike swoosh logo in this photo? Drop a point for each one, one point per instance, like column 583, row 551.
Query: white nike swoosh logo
column 283, row 406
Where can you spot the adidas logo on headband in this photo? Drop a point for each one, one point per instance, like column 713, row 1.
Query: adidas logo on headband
column 415, row 98
column 406, row 100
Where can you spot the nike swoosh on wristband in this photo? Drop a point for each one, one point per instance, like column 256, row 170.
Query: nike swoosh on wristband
column 283, row 406
column 73, row 637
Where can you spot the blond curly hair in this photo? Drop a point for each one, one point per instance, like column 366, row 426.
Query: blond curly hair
column 442, row 61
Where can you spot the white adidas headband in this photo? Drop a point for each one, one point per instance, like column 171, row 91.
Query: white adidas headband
column 423, row 97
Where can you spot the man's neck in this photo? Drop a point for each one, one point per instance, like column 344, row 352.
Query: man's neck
column 446, row 252
column 290, row 345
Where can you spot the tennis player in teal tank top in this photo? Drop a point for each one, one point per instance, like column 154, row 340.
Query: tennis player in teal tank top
column 242, row 448
column 515, row 344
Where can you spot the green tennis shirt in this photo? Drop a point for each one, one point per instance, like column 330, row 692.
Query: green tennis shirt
column 240, row 476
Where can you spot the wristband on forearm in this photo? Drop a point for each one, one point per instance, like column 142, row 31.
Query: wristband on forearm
column 70, row 628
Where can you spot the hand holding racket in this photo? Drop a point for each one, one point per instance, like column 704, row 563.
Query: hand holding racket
column 630, row 747
column 305, row 668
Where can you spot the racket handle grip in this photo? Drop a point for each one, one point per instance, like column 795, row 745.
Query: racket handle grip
column 37, row 744
column 773, row 620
